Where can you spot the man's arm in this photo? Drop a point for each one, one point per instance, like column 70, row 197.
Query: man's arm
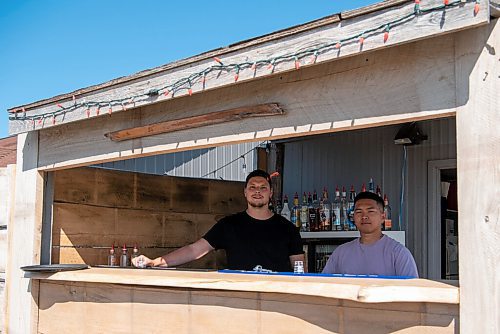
column 298, row 257
column 405, row 263
column 180, row 256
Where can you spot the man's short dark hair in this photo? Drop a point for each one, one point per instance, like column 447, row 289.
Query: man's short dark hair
column 369, row 195
column 261, row 173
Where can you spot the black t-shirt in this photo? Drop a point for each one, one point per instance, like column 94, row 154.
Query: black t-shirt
column 249, row 242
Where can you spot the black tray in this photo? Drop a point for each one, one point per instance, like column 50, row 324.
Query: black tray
column 52, row 268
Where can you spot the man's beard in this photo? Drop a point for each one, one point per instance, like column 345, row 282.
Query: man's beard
column 257, row 205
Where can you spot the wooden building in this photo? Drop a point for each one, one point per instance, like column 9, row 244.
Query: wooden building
column 387, row 64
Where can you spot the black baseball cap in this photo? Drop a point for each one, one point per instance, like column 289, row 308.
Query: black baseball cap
column 369, row 195
column 261, row 173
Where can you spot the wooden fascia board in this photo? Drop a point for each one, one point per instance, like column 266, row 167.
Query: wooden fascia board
column 424, row 26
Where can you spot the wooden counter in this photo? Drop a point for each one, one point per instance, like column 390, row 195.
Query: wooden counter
column 163, row 301
column 364, row 290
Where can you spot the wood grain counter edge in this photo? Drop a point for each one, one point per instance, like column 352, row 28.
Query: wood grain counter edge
column 364, row 290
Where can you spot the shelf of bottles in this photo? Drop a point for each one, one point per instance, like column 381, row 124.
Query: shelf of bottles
column 315, row 215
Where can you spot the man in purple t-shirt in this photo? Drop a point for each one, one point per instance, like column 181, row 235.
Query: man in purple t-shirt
column 373, row 253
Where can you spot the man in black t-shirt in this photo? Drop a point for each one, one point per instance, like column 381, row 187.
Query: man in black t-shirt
column 253, row 237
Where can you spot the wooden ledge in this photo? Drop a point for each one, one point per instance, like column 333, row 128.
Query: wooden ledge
column 364, row 290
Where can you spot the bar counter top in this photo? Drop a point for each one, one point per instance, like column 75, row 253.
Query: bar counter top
column 364, row 290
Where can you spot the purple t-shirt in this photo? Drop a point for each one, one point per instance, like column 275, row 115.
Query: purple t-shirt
column 386, row 257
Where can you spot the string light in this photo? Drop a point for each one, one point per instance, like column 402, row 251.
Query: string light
column 297, row 63
column 417, row 7
column 386, row 33
column 185, row 83
column 314, row 58
column 244, row 165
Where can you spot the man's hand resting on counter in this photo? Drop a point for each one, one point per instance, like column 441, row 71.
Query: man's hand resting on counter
column 143, row 261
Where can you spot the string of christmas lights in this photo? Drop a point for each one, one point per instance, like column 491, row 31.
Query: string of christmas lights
column 187, row 83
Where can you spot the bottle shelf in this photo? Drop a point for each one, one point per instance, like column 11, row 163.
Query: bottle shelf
column 396, row 235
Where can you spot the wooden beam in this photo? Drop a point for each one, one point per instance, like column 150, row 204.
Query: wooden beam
column 236, row 114
column 24, row 236
column 478, row 167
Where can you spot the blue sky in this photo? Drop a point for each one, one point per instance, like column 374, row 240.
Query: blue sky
column 53, row 47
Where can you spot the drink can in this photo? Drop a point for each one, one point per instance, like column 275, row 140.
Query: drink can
column 298, row 267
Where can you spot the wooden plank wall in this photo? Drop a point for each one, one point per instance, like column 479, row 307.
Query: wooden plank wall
column 95, row 208
column 393, row 85
column 478, row 165
column 79, row 307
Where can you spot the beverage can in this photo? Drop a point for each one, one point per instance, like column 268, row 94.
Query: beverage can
column 298, row 267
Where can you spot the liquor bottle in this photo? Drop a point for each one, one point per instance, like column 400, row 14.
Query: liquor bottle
column 371, row 186
column 363, row 188
column 350, row 208
column 336, row 208
column 344, row 219
column 135, row 253
column 319, row 210
column 295, row 214
column 325, row 212
column 285, row 211
column 378, row 192
column 304, row 214
column 124, row 257
column 312, row 207
column 112, row 257
column 387, row 226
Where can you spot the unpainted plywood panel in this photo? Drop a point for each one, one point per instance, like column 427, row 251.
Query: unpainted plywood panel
column 85, row 308
column 393, row 85
column 478, row 166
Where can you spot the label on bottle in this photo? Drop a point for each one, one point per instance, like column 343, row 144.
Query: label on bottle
column 112, row 260
column 312, row 220
column 295, row 218
column 304, row 218
column 336, row 219
column 123, row 260
column 387, row 224
column 325, row 219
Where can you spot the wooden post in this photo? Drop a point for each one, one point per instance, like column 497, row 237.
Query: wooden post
column 24, row 237
column 478, row 167
column 262, row 158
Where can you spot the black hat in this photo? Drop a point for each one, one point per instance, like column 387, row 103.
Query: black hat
column 261, row 173
column 369, row 195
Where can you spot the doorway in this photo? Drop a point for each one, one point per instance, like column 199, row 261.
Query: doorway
column 449, row 224
column 442, row 220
